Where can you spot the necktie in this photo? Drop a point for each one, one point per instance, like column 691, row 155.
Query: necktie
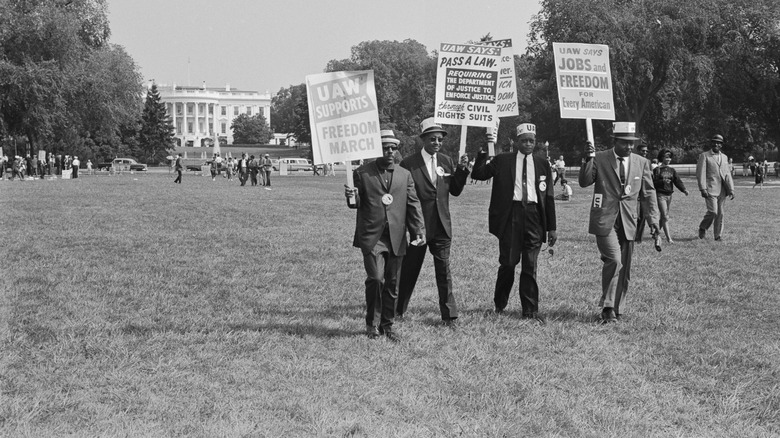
column 622, row 171
column 433, row 169
column 525, row 185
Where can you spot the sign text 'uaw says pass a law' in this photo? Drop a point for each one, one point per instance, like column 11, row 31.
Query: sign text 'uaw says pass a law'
column 343, row 116
column 467, row 84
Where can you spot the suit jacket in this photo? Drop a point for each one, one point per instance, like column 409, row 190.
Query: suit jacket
column 435, row 200
column 372, row 214
column 713, row 177
column 178, row 165
column 503, row 168
column 610, row 197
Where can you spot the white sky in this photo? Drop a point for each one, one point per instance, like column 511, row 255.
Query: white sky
column 264, row 45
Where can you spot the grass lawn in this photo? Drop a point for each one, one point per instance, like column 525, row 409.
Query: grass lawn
column 130, row 306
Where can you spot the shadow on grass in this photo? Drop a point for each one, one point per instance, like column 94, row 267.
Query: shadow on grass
column 301, row 330
column 683, row 239
column 294, row 329
column 302, row 322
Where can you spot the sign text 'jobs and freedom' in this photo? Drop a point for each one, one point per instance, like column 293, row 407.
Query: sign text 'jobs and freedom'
column 584, row 81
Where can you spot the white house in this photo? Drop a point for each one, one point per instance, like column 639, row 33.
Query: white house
column 200, row 112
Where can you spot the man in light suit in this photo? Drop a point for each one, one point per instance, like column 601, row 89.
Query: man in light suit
column 435, row 178
column 521, row 215
column 386, row 204
column 714, row 177
column 620, row 178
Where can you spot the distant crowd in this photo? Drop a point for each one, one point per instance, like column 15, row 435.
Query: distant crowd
column 30, row 167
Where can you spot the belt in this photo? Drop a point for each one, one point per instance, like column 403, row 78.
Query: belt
column 521, row 202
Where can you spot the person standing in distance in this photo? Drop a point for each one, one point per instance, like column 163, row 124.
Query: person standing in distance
column 521, row 215
column 387, row 205
column 435, row 177
column 715, row 183
column 178, row 168
column 266, row 167
column 619, row 179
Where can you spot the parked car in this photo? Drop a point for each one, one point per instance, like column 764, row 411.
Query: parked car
column 196, row 167
column 123, row 164
column 295, row 164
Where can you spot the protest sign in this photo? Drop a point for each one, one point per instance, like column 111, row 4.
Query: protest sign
column 467, row 84
column 343, row 116
column 584, row 81
column 506, row 97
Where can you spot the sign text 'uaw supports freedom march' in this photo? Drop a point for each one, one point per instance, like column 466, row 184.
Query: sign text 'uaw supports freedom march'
column 467, row 84
column 343, row 116
column 584, row 81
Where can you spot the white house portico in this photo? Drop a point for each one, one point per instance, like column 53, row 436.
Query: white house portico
column 198, row 113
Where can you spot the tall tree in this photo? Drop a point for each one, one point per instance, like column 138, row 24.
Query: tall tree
column 283, row 108
column 52, row 55
column 668, row 61
column 251, row 129
column 405, row 80
column 156, row 131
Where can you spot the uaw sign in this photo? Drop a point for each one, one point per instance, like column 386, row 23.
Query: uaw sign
column 584, row 81
column 467, row 84
column 343, row 116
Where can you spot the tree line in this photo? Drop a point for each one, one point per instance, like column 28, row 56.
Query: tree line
column 682, row 71
column 65, row 88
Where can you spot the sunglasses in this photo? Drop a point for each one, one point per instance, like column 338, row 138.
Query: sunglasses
column 390, row 148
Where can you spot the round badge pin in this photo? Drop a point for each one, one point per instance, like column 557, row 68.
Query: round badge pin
column 387, row 199
column 542, row 186
column 627, row 190
column 440, row 171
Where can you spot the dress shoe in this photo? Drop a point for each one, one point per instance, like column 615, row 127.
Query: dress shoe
column 372, row 332
column 608, row 316
column 701, row 233
column 718, row 238
column 392, row 335
column 535, row 317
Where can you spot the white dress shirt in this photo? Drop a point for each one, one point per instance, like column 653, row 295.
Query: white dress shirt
column 530, row 178
column 428, row 158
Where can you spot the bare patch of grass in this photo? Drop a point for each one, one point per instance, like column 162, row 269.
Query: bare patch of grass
column 132, row 306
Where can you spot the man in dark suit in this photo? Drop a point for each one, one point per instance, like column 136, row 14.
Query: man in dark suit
column 620, row 178
column 521, row 215
column 178, row 168
column 386, row 204
column 435, row 178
